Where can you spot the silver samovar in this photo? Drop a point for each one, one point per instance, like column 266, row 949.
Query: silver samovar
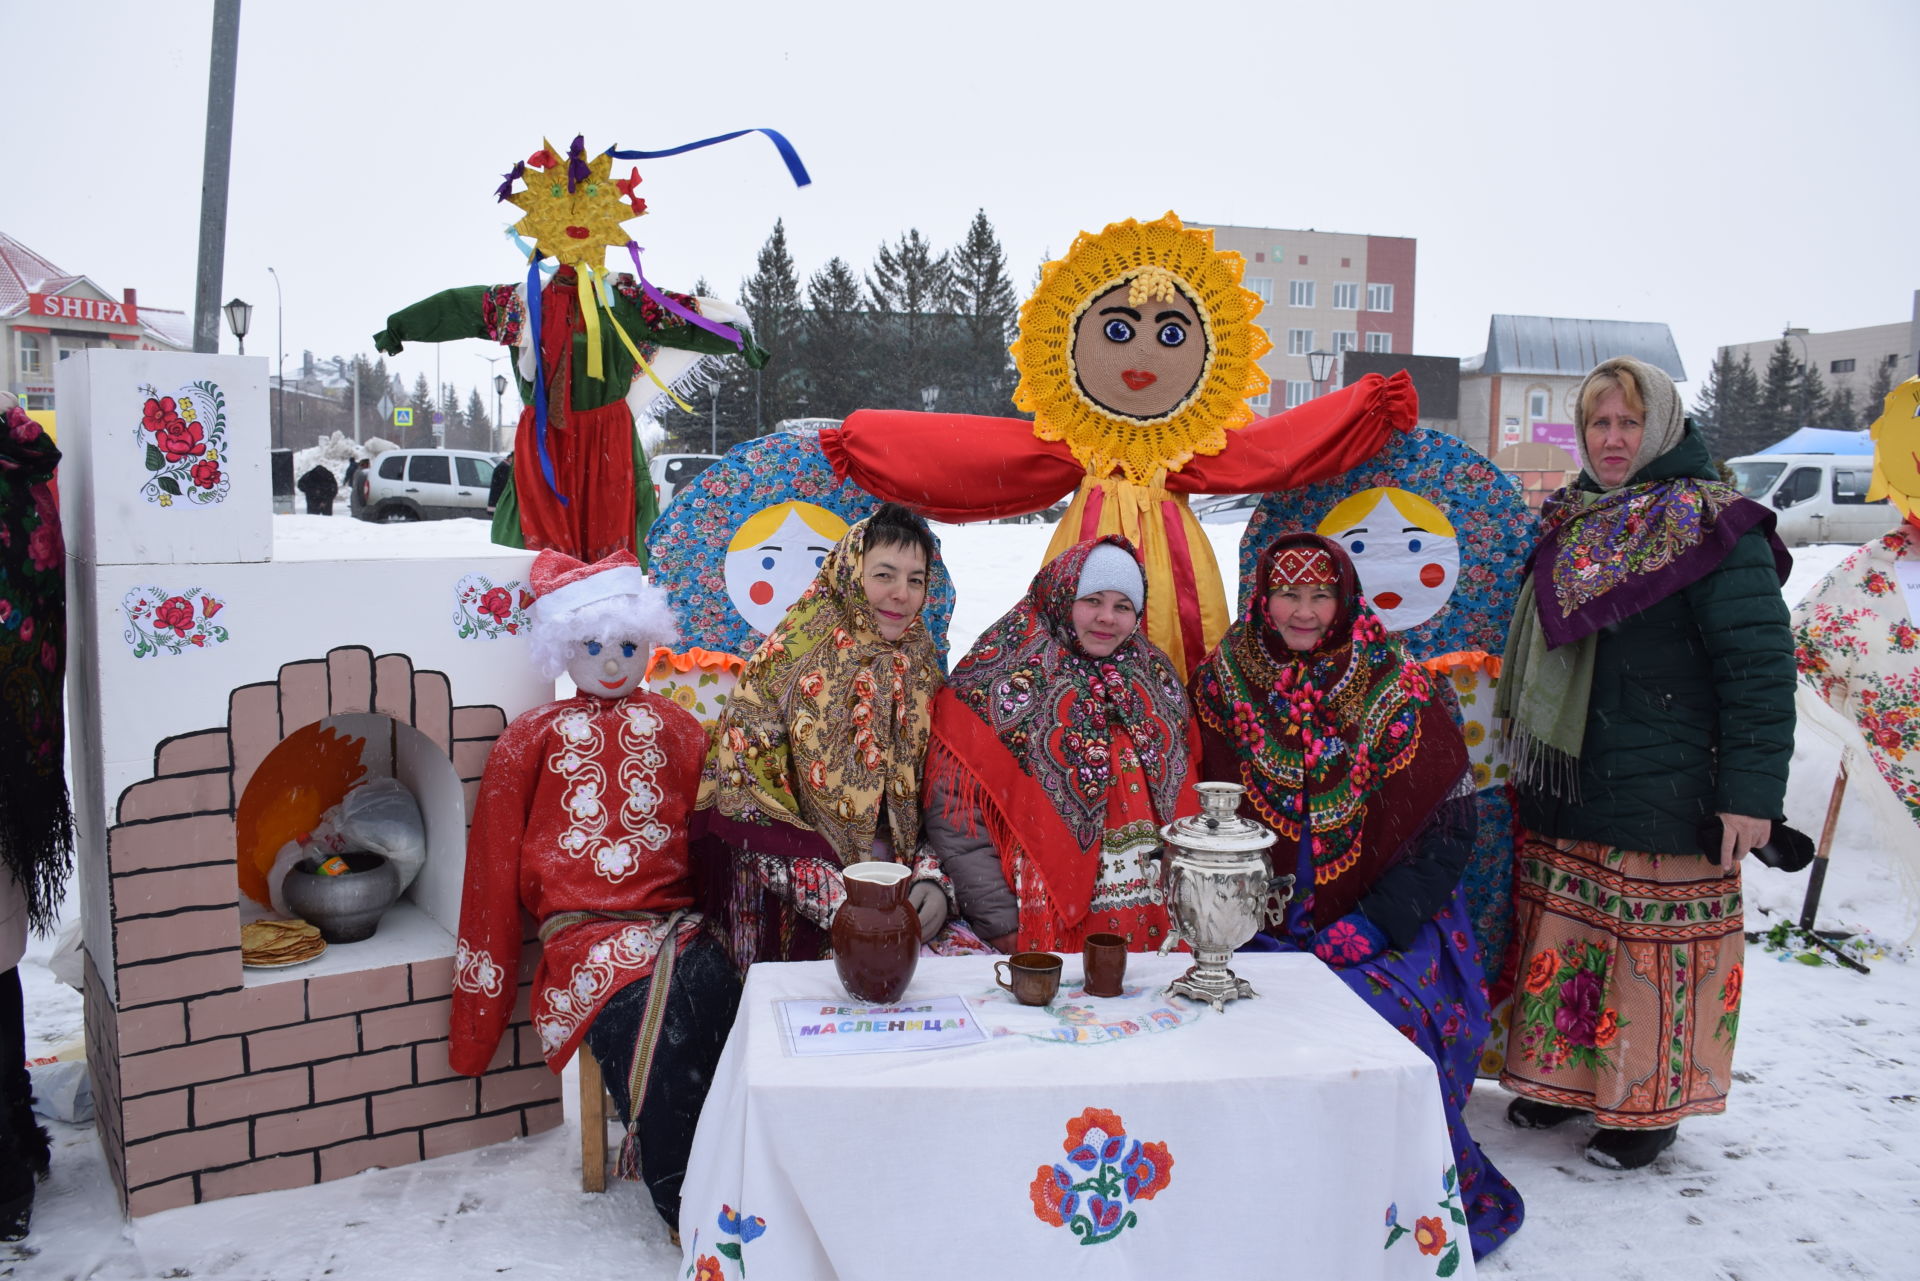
column 1219, row 888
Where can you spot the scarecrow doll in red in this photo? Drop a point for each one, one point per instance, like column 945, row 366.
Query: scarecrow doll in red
column 582, row 822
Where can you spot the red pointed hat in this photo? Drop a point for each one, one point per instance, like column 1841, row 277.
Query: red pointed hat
column 562, row 584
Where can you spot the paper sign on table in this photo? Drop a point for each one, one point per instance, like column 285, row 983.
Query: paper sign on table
column 829, row 1027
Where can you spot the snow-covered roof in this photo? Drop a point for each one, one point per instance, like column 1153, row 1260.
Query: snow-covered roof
column 1559, row 345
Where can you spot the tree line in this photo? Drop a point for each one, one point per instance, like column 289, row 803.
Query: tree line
column 303, row 416
column 919, row 329
column 1742, row 411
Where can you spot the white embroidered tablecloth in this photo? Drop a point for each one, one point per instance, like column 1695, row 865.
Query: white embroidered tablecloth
column 1296, row 1134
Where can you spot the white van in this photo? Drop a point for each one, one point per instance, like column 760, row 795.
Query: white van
column 1821, row 498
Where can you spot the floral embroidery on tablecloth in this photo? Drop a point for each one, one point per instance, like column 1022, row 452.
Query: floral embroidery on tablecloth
column 185, row 441
column 748, row 1228
column 1105, row 1175
column 486, row 610
column 160, row 621
column 1429, row 1232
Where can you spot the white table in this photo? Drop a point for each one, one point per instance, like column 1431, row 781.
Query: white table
column 1293, row 1120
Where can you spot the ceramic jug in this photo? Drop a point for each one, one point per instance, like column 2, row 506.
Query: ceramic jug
column 876, row 933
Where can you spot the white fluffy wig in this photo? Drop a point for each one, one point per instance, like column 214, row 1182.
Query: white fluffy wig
column 644, row 617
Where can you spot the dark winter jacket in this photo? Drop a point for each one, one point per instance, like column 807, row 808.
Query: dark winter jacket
column 1691, row 710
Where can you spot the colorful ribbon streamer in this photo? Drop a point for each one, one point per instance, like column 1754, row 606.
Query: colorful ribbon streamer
column 727, row 332
column 797, row 170
column 540, row 380
column 640, row 361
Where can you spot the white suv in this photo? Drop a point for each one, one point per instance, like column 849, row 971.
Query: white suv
column 422, row 484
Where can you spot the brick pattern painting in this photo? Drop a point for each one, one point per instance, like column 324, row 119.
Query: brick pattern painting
column 207, row 1088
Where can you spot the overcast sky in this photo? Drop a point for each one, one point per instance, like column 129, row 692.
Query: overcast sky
column 1725, row 168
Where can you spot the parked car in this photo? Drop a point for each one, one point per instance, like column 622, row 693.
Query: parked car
column 1224, row 509
column 1821, row 498
column 671, row 471
column 422, row 484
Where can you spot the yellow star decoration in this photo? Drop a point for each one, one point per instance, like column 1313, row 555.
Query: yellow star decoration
column 1896, row 449
column 1152, row 255
column 574, row 228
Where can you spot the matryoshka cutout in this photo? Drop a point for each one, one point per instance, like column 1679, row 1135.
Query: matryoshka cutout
column 774, row 555
column 1404, row 549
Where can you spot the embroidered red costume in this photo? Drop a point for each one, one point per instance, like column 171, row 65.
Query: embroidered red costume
column 583, row 809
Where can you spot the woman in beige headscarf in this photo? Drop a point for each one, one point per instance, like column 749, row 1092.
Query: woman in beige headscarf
column 1649, row 688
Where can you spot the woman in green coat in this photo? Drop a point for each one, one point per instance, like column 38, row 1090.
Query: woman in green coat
column 1649, row 687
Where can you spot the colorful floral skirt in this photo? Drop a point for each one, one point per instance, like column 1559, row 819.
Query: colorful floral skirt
column 1627, row 1000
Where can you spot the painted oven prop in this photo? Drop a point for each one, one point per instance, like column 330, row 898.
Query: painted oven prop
column 222, row 697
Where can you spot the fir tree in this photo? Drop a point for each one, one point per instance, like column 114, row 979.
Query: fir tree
column 722, row 406
column 420, row 400
column 1728, row 409
column 479, row 422
column 772, row 298
column 1841, row 413
column 1779, row 395
column 835, row 342
column 912, row 289
column 1707, row 402
column 1809, row 396
column 453, row 430
column 1878, row 388
column 983, row 298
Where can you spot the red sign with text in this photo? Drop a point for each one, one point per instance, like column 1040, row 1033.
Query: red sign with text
column 66, row 307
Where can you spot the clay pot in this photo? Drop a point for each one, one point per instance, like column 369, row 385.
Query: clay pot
column 876, row 933
column 347, row 908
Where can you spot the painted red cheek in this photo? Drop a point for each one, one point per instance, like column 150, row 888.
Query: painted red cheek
column 760, row 593
column 1432, row 575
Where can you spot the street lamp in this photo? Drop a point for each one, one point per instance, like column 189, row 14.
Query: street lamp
column 499, row 391
column 1320, row 365
column 239, row 319
column 279, row 341
column 929, row 398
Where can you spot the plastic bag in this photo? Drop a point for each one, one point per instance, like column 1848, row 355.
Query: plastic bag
column 380, row 816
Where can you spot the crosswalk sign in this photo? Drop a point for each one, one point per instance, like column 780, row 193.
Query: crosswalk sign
column 403, row 418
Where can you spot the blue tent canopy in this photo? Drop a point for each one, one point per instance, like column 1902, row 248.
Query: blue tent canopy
column 1824, row 440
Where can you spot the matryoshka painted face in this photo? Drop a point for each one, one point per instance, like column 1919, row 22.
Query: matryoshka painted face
column 1407, row 567
column 766, row 575
column 1139, row 361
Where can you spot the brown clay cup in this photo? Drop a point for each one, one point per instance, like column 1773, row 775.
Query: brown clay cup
column 1035, row 976
column 1106, row 960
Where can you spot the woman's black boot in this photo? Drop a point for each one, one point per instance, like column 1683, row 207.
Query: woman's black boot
column 1532, row 1114
column 1629, row 1149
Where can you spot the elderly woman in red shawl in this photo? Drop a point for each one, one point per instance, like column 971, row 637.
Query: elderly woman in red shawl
column 1061, row 743
column 1351, row 753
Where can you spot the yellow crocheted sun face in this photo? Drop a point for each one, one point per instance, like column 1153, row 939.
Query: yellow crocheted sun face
column 1896, row 449
column 575, row 228
column 1139, row 348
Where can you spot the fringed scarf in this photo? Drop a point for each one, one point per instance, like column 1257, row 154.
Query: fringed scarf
column 1351, row 738
column 36, row 818
column 1029, row 711
column 1602, row 558
column 828, row 724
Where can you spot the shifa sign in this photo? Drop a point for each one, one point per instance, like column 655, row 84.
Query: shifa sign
column 66, row 307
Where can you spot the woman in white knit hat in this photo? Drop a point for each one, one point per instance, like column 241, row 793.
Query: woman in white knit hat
column 1061, row 744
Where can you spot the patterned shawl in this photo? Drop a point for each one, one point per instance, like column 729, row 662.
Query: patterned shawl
column 1353, row 727
column 1603, row 557
column 1052, row 706
column 828, row 722
column 36, row 818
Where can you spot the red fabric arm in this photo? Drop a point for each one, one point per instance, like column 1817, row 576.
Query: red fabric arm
column 486, row 978
column 952, row 467
column 1321, row 438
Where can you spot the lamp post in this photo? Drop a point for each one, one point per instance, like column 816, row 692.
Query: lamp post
column 499, row 392
column 929, row 398
column 1806, row 363
column 1320, row 366
column 280, row 379
column 239, row 319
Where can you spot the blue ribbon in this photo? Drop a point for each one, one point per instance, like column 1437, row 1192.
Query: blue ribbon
column 787, row 153
column 540, row 380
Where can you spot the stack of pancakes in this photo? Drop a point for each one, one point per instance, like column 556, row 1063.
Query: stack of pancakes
column 279, row 942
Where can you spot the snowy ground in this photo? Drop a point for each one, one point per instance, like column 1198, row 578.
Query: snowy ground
column 1813, row 1171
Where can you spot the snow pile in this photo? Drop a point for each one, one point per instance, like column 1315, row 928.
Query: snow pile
column 333, row 453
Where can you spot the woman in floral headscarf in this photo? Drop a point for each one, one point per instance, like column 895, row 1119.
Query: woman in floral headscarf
column 816, row 760
column 1649, row 684
column 1061, row 744
column 1351, row 753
